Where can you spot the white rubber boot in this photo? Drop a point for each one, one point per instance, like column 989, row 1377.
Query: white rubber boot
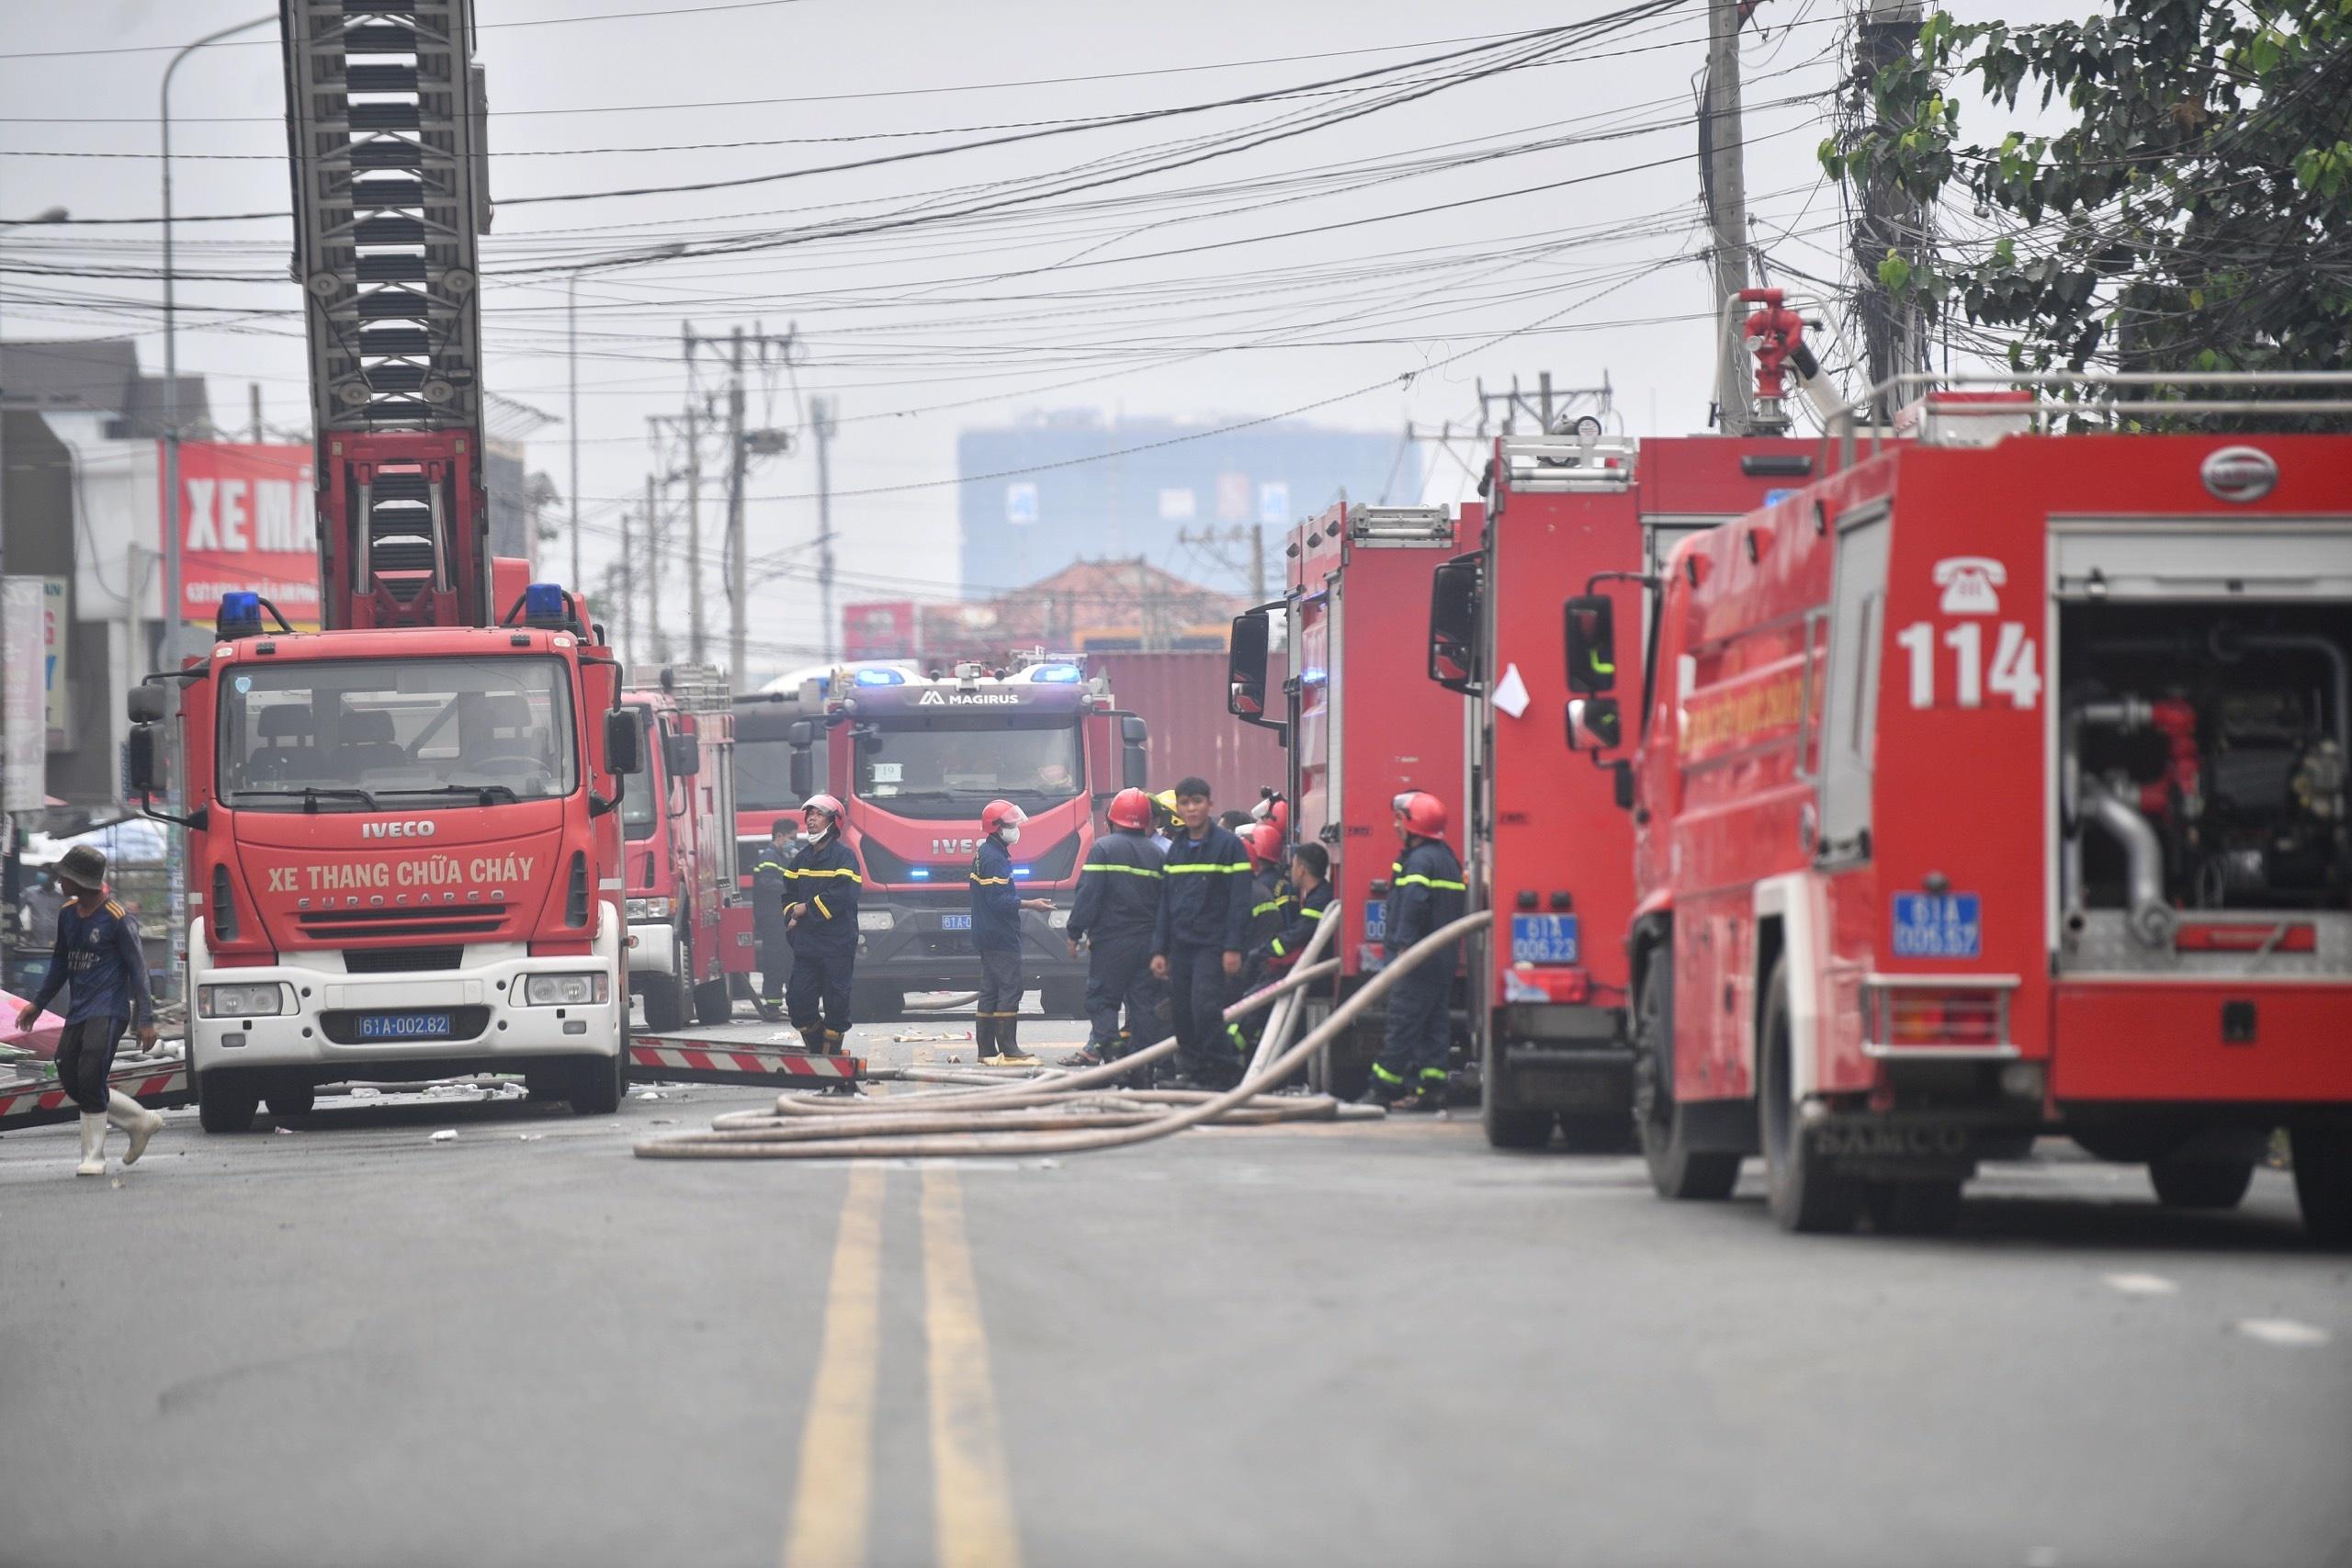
column 135, row 1120
column 93, row 1146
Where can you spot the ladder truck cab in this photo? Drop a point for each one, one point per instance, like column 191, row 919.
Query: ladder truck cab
column 1994, row 786
column 914, row 758
column 1551, row 850
column 689, row 928
column 1355, row 574
column 403, row 830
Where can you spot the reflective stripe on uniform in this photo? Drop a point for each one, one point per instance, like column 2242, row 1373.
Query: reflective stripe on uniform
column 1128, row 870
column 1243, row 867
column 1385, row 1076
column 820, row 902
column 848, row 871
column 1416, row 880
column 1311, row 914
column 979, row 881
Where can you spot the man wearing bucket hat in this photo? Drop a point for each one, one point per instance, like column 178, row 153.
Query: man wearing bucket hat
column 97, row 954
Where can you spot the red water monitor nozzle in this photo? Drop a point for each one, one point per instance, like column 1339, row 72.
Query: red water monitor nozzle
column 1778, row 334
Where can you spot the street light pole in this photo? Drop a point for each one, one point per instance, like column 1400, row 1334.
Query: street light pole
column 171, row 519
column 571, row 353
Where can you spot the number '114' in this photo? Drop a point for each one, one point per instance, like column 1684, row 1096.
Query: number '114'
column 2012, row 674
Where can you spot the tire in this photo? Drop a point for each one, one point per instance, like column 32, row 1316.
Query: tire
column 714, row 1003
column 665, row 996
column 1062, row 998
column 1599, row 1133
column 1507, row 1126
column 1913, row 1208
column 596, row 1083
column 297, row 1101
column 1803, row 1192
column 2200, row 1184
column 1678, row 1172
column 2324, row 1182
column 225, row 1105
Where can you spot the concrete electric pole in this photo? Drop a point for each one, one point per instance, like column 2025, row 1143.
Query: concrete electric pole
column 1725, row 182
column 820, row 420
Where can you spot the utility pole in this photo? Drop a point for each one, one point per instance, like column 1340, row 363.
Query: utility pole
column 1257, row 560
column 693, row 518
column 653, row 571
column 1725, row 182
column 737, row 650
column 628, row 600
column 742, row 444
column 571, row 320
column 253, row 411
column 1894, row 337
column 820, row 416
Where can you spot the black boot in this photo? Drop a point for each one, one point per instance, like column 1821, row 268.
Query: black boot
column 812, row 1039
column 983, row 1036
column 1386, row 1089
column 1428, row 1093
column 1008, row 1045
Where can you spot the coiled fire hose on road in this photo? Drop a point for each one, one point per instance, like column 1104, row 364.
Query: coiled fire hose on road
column 1074, row 1113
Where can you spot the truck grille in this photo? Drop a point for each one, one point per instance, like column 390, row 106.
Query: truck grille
column 401, row 960
column 348, row 925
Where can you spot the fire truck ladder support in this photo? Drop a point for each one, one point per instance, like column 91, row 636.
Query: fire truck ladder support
column 1072, row 1114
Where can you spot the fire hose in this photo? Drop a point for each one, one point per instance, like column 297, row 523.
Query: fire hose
column 1075, row 1113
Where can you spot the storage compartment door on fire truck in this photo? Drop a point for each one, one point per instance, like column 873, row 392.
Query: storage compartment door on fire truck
column 1847, row 725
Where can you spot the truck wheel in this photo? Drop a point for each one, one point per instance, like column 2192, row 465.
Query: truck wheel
column 1599, row 1133
column 224, row 1104
column 1913, row 1208
column 296, row 1102
column 1507, row 1126
column 596, row 1083
column 666, row 995
column 713, row 1004
column 2324, row 1182
column 1805, row 1194
column 1677, row 1171
column 2200, row 1184
column 1063, row 998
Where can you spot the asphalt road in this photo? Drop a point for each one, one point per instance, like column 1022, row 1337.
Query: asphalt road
column 1344, row 1344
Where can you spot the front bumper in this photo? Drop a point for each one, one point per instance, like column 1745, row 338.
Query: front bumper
column 653, row 946
column 920, row 948
column 493, row 1027
column 1560, row 1057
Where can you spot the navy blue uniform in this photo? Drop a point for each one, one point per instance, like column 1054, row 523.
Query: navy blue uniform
column 1270, row 903
column 99, row 955
column 1203, row 915
column 1299, row 921
column 822, row 879
column 996, row 937
column 1425, row 892
column 768, row 899
column 1118, row 906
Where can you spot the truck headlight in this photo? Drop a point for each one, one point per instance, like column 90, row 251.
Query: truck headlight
column 1058, row 918
column 240, row 1001
column 648, row 908
column 874, row 920
column 563, row 990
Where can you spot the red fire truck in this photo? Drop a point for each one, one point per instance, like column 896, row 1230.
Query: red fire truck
column 1357, row 574
column 1551, row 852
column 1991, row 786
column 689, row 928
column 404, row 845
column 913, row 759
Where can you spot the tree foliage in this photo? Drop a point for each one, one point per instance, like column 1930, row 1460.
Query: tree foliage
column 2197, row 214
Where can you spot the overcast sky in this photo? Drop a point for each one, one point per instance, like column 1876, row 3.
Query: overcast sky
column 1295, row 275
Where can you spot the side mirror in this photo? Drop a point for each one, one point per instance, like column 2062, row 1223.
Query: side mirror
column 1455, row 593
column 1134, row 730
column 139, row 757
column 800, row 732
column 147, row 704
column 1591, row 625
column 1135, row 757
column 681, row 756
column 624, row 741
column 1594, row 724
column 1245, row 665
column 799, row 769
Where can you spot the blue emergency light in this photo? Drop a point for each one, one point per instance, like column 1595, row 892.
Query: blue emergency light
column 543, row 605
column 240, row 615
column 1020, row 871
column 919, row 872
column 1056, row 674
column 884, row 677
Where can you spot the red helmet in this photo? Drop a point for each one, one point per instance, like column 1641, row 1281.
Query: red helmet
column 1000, row 814
column 1130, row 808
column 1424, row 812
column 1264, row 842
column 1274, row 809
column 824, row 803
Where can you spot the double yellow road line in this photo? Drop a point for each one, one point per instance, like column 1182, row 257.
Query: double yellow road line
column 972, row 1514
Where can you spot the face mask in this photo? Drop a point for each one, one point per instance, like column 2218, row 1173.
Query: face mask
column 1011, row 835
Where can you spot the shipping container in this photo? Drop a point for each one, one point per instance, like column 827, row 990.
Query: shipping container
column 1180, row 696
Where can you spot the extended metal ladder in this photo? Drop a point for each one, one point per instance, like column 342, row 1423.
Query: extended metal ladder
column 386, row 131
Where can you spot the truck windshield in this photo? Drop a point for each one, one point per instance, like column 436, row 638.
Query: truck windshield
column 389, row 734
column 950, row 773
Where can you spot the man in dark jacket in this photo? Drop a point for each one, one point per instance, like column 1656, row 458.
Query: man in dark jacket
column 821, row 882
column 1118, row 909
column 1202, row 932
column 1310, row 894
column 1270, row 906
column 768, row 899
column 97, row 954
column 1425, row 892
column 996, row 936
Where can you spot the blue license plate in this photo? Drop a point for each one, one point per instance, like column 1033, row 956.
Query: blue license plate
column 1543, row 939
column 406, row 1026
column 1939, row 925
column 955, row 923
column 1376, row 920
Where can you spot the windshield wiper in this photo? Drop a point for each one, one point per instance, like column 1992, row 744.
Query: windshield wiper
column 488, row 794
column 309, row 796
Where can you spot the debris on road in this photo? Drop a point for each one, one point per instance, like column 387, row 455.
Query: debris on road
column 445, row 1136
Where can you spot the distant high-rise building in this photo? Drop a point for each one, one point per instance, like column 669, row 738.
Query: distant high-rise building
column 1060, row 498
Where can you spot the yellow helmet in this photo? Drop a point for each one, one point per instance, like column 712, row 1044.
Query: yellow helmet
column 1166, row 801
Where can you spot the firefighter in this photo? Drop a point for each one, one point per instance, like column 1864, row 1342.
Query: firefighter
column 1310, row 894
column 996, row 936
column 1425, row 892
column 1117, row 911
column 821, row 882
column 1197, row 947
column 768, row 899
column 1166, row 821
column 1269, row 905
column 97, row 952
